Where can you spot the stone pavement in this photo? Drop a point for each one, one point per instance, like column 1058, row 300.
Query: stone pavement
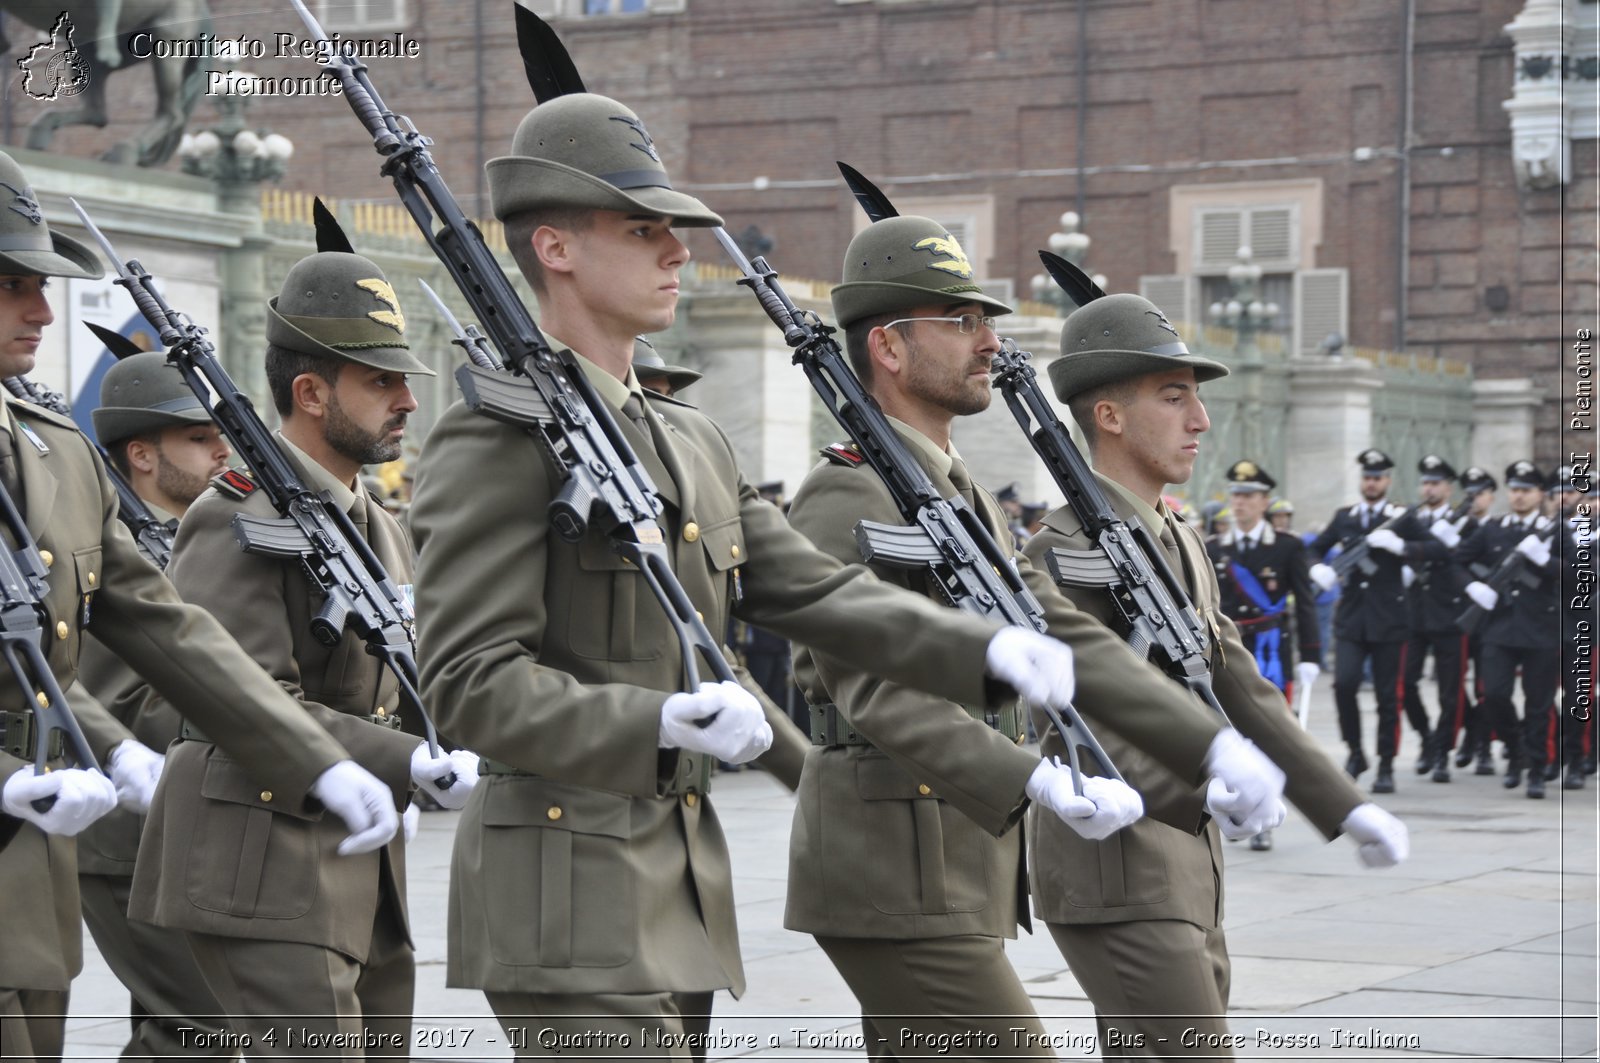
column 1481, row 946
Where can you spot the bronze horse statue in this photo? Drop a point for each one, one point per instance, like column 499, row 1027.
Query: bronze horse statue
column 102, row 30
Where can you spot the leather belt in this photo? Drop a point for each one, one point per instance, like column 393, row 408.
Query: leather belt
column 830, row 727
column 188, row 732
column 19, row 735
column 693, row 775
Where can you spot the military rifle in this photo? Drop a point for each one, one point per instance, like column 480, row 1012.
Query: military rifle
column 546, row 392
column 153, row 537
column 1513, row 568
column 334, row 556
column 943, row 536
column 1126, row 560
column 24, row 586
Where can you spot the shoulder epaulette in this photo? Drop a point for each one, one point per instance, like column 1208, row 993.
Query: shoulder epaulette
column 670, row 400
column 1179, row 517
column 36, row 412
column 847, row 454
column 234, row 484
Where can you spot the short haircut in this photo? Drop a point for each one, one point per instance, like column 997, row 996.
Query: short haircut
column 855, row 342
column 521, row 227
column 1083, row 403
column 118, row 451
column 284, row 365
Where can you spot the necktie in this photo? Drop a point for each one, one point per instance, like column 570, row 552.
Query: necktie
column 962, row 482
column 634, row 410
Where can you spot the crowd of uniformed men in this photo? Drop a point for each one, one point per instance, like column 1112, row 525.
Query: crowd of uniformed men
column 251, row 890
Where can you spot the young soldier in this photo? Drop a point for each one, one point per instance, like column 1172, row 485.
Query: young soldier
column 160, row 437
column 1436, row 600
column 1371, row 622
column 903, row 862
column 100, row 583
column 278, row 927
column 1523, row 625
column 1480, row 487
column 1138, row 916
column 590, row 886
column 1257, row 571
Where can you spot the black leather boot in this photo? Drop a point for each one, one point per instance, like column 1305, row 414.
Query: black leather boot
column 1536, row 781
column 1574, row 778
column 1356, row 763
column 1384, row 783
column 1513, row 777
column 1425, row 758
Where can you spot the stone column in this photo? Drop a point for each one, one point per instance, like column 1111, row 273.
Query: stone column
column 750, row 388
column 1503, row 416
column 1330, row 422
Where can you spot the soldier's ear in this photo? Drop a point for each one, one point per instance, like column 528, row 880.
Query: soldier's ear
column 1108, row 417
column 141, row 454
column 554, row 248
column 886, row 348
column 309, row 393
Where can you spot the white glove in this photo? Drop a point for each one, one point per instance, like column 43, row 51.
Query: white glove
column 1384, row 539
column 1037, row 666
column 135, row 769
column 739, row 733
column 81, row 797
column 1251, row 790
column 1408, row 576
column 355, row 795
column 427, row 770
column 1105, row 807
column 1220, row 803
column 1535, row 549
column 1381, row 840
column 1483, row 595
column 410, row 820
column 1323, row 576
column 1306, row 673
column 1447, row 532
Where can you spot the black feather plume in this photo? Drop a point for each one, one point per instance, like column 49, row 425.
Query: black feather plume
column 550, row 69
column 869, row 195
column 1074, row 281
column 330, row 234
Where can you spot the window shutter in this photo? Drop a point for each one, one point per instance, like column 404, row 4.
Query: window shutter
column 1172, row 293
column 1272, row 236
column 1321, row 307
column 1221, row 235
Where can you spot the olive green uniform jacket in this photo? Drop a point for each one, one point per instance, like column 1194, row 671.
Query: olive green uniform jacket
column 600, row 868
column 910, row 837
column 1152, row 870
column 100, row 582
column 111, row 843
column 222, row 855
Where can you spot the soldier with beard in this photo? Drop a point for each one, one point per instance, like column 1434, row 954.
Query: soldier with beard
column 277, row 926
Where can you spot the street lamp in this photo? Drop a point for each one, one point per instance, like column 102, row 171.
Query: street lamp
column 237, row 159
column 1072, row 245
column 1247, row 314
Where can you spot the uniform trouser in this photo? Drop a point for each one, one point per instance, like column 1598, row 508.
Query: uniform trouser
column 1449, row 651
column 1532, row 738
column 1347, row 672
column 167, row 993
column 281, row 994
column 633, row 1025
column 917, row 994
column 1579, row 661
column 1151, row 979
column 33, row 1024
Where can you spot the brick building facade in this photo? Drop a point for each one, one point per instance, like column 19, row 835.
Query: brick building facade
column 1178, row 128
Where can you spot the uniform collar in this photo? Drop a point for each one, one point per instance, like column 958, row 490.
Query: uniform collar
column 1154, row 519
column 940, row 461
column 615, row 392
column 318, row 478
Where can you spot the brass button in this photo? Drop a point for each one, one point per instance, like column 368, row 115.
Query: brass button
column 382, row 711
column 690, row 800
column 554, row 812
column 734, row 550
column 698, row 615
column 47, row 557
column 923, row 789
column 61, row 629
column 43, row 699
column 691, row 532
column 91, row 579
column 266, row 795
